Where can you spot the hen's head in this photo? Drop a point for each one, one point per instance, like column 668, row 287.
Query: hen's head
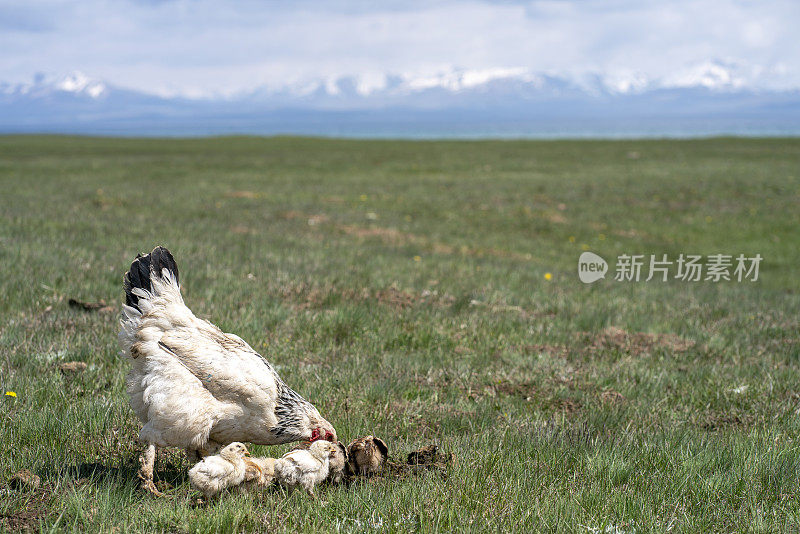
column 319, row 428
column 299, row 420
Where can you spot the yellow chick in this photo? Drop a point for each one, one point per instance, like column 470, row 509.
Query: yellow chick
column 259, row 472
column 338, row 463
column 217, row 473
column 306, row 467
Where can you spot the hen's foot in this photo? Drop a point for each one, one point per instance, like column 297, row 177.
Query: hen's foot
column 149, row 486
column 146, row 464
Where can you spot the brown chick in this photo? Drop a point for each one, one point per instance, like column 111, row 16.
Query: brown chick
column 367, row 455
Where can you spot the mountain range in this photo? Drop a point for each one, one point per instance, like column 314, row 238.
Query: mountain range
column 713, row 98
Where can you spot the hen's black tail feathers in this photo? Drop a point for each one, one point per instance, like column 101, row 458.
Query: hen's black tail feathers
column 144, row 267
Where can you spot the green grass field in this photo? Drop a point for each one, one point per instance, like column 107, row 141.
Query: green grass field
column 403, row 288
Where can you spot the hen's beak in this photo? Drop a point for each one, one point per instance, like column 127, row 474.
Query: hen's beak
column 247, row 453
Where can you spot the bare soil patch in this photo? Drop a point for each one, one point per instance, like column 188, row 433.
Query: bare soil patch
column 243, row 194
column 303, row 296
column 636, row 343
column 99, row 306
column 72, row 367
column 28, row 519
column 418, row 462
column 394, row 237
column 715, row 421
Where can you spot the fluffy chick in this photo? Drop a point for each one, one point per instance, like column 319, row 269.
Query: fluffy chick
column 338, row 463
column 259, row 472
column 217, row 473
column 306, row 467
column 337, row 468
column 367, row 455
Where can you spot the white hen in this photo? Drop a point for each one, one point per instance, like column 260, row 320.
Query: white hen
column 306, row 467
column 217, row 473
column 194, row 386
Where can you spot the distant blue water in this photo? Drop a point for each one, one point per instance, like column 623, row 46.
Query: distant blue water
column 413, row 128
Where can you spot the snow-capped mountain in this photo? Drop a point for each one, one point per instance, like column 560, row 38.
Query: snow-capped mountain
column 515, row 101
column 75, row 83
column 712, row 75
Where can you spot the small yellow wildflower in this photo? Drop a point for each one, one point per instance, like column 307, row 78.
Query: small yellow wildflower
column 584, row 246
column 417, row 258
column 363, row 198
column 11, row 394
column 572, row 239
column 548, row 276
column 602, row 237
column 708, row 218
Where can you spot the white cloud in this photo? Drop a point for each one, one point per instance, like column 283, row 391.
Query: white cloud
column 204, row 46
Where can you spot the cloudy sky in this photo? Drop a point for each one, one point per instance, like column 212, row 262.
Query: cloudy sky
column 199, row 47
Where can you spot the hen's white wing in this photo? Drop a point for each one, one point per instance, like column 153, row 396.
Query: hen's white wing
column 227, row 366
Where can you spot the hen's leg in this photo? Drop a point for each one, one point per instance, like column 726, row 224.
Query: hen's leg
column 146, row 463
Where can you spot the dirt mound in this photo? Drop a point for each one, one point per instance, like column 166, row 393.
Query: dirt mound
column 426, row 459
